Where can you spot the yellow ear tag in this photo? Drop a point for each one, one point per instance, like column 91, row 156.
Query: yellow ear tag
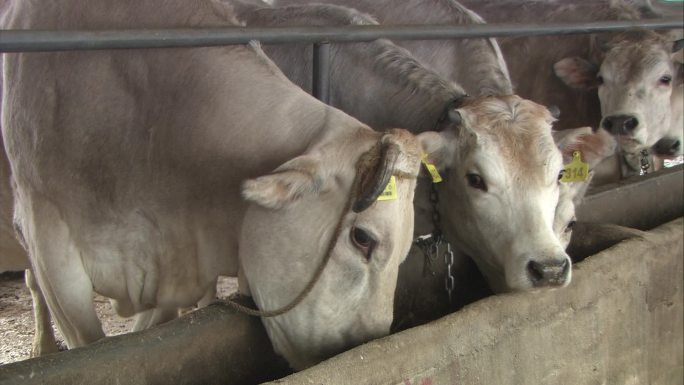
column 436, row 178
column 390, row 192
column 576, row 171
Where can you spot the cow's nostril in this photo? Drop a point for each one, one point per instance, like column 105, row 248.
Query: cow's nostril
column 620, row 124
column 536, row 271
column 667, row 147
column 631, row 123
column 608, row 124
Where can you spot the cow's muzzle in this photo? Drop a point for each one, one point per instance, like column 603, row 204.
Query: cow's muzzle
column 620, row 124
column 548, row 272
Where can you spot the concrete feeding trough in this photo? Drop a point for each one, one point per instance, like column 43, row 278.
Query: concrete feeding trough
column 619, row 322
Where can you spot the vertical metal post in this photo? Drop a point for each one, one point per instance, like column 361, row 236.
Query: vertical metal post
column 321, row 72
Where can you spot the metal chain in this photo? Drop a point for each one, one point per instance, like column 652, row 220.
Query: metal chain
column 645, row 164
column 430, row 249
column 434, row 200
column 431, row 243
column 449, row 280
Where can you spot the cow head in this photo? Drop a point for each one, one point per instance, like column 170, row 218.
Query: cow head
column 291, row 223
column 639, row 84
column 501, row 190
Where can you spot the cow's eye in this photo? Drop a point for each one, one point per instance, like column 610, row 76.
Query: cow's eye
column 570, row 225
column 599, row 79
column 363, row 241
column 665, row 80
column 476, row 181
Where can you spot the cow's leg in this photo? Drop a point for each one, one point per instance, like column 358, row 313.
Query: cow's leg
column 209, row 296
column 44, row 337
column 153, row 317
column 59, row 271
column 243, row 285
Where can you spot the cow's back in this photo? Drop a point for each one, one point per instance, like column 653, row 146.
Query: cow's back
column 475, row 64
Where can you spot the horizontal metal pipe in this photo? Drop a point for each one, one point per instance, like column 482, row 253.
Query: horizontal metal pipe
column 31, row 41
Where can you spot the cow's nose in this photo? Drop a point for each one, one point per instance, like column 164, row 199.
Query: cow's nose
column 620, row 124
column 667, row 146
column 549, row 272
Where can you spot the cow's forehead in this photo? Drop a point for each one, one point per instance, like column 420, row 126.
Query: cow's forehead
column 631, row 59
column 515, row 130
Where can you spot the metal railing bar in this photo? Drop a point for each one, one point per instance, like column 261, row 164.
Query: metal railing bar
column 34, row 41
column 320, row 85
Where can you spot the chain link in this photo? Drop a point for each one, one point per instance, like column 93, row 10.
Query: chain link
column 436, row 218
column 449, row 282
column 645, row 164
column 430, row 244
column 427, row 246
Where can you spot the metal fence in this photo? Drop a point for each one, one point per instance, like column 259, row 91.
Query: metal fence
column 40, row 41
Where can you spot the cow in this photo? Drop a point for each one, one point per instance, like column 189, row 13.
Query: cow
column 476, row 65
column 593, row 148
column 638, row 79
column 143, row 174
column 398, row 85
column 377, row 82
column 12, row 254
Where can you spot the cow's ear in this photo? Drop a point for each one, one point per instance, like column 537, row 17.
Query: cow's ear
column 577, row 73
column 437, row 149
column 594, row 147
column 678, row 60
column 296, row 178
column 678, row 46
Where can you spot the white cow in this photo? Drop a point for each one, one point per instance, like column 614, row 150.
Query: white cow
column 12, row 254
column 476, row 64
column 398, row 86
column 637, row 74
column 501, row 189
column 595, row 148
column 128, row 166
column 641, row 89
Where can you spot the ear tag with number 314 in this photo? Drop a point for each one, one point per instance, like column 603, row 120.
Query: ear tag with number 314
column 390, row 192
column 576, row 171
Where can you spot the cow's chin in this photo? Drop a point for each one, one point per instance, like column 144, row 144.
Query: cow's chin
column 631, row 144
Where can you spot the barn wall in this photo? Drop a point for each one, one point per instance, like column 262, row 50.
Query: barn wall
column 619, row 322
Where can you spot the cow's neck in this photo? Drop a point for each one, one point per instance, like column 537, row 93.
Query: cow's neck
column 394, row 90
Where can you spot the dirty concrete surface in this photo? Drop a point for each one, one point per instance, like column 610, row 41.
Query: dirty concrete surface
column 16, row 316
